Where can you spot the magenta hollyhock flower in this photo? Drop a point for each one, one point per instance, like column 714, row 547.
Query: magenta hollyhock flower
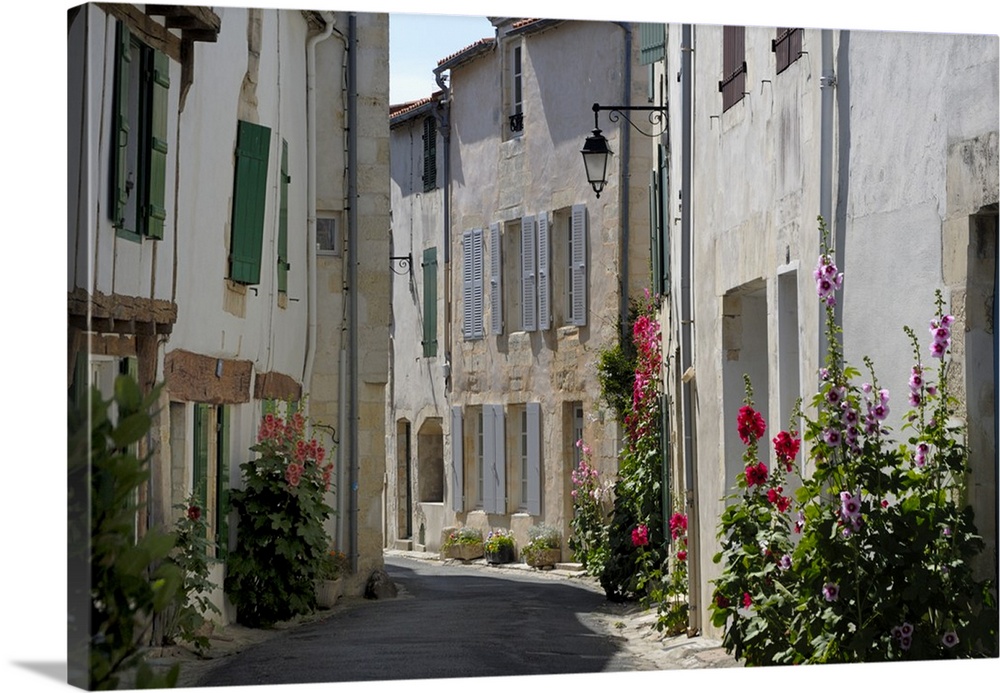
column 800, row 522
column 931, row 390
column 938, row 349
column 832, row 437
column 916, row 379
column 949, row 639
column 749, row 424
column 905, row 641
column 640, row 536
column 682, row 555
column 756, row 474
column 785, row 563
column 831, row 591
column 906, row 630
column 678, row 525
column 747, row 600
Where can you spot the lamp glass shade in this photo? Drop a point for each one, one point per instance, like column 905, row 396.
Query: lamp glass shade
column 595, row 159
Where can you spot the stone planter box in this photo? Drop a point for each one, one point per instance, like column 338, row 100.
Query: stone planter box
column 546, row 558
column 505, row 554
column 465, row 552
column 328, row 592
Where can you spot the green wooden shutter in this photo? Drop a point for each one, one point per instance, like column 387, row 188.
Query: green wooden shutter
column 249, row 190
column 159, row 86
column 652, row 40
column 222, row 484
column 654, row 231
column 120, row 132
column 663, row 279
column 429, row 267
column 283, row 265
column 199, row 476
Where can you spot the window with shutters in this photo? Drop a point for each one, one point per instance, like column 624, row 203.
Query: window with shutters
column 429, row 270
column 472, row 284
column 734, row 66
column 496, row 279
column 514, row 95
column 787, row 47
column 430, row 154
column 210, row 472
column 569, row 260
column 249, row 195
column 139, row 138
column 575, row 412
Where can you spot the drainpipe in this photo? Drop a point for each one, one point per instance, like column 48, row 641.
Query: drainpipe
column 827, row 82
column 443, row 114
column 623, row 191
column 311, row 195
column 686, row 369
column 352, row 284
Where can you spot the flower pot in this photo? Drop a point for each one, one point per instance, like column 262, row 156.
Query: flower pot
column 328, row 592
column 504, row 554
column 543, row 558
column 464, row 552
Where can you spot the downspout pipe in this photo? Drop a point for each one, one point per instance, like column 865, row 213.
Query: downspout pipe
column 827, row 82
column 330, row 22
column 687, row 410
column 352, row 284
column 623, row 191
column 443, row 115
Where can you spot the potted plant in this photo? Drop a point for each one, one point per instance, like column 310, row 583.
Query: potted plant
column 329, row 579
column 544, row 548
column 465, row 543
column 499, row 546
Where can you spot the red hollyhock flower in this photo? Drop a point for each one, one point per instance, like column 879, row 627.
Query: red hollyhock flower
column 786, row 447
column 756, row 474
column 749, row 424
column 194, row 513
column 747, row 601
column 721, row 601
column 682, row 555
column 678, row 525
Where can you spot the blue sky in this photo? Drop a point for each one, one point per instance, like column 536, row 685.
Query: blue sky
column 418, row 41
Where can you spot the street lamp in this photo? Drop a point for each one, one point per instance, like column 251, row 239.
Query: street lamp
column 596, row 151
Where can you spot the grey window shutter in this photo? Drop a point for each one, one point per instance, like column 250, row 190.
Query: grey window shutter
column 534, row 416
column 477, row 284
column 652, row 42
column 467, row 285
column 544, row 274
column 496, row 287
column 664, row 242
column 529, row 293
column 457, row 461
column 578, row 231
column 499, row 461
column 489, row 459
column 654, row 230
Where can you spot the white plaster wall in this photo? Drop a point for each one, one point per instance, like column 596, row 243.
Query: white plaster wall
column 755, row 198
column 272, row 337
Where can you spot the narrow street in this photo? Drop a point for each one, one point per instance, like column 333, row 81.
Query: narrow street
column 448, row 621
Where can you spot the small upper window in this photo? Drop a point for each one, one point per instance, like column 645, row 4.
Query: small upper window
column 515, row 99
column 787, row 47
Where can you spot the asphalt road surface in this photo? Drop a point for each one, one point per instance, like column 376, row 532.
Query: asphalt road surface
column 448, row 621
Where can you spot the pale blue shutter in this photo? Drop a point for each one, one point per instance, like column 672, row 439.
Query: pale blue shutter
column 477, row 284
column 529, row 292
column 457, row 461
column 544, row 274
column 497, row 455
column 496, row 286
column 467, row 285
column 534, row 416
column 578, row 231
column 489, row 459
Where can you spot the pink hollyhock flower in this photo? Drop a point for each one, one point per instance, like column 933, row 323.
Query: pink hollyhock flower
column 850, row 505
column 678, row 525
column 785, row 563
column 832, row 437
column 949, row 639
column 831, row 591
